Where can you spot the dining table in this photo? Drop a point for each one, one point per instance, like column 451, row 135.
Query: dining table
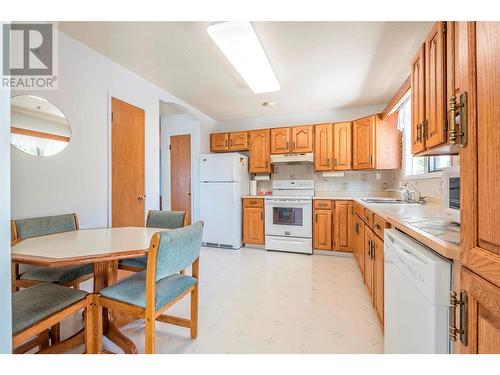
column 102, row 247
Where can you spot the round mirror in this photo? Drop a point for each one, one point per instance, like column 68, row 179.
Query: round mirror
column 38, row 127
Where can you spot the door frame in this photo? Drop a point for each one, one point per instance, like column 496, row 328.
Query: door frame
column 109, row 162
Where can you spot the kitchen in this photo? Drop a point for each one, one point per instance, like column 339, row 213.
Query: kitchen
column 332, row 203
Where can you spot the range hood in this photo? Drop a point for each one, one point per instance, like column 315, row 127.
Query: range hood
column 306, row 158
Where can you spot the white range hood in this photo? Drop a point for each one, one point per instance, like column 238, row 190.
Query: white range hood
column 292, row 158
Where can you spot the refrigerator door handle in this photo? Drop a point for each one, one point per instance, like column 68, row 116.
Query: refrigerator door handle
column 234, row 195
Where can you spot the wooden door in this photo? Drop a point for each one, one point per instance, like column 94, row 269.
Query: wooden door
column 302, row 139
column 127, row 165
column 259, row 151
column 363, row 143
column 368, row 259
column 180, row 174
column 323, row 144
column 219, row 142
column 280, row 141
column 322, row 229
column 253, row 225
column 480, row 159
column 238, row 141
column 343, row 217
column 483, row 305
column 417, row 77
column 342, row 146
column 435, row 86
column 378, row 278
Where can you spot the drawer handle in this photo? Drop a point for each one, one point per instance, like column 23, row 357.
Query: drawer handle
column 376, row 226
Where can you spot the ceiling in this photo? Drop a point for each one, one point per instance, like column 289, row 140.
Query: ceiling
column 320, row 65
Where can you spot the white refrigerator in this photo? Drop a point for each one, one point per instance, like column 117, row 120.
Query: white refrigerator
column 224, row 180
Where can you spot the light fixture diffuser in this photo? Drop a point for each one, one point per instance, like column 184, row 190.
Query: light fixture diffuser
column 239, row 43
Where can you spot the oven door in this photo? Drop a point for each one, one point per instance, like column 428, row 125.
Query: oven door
column 289, row 218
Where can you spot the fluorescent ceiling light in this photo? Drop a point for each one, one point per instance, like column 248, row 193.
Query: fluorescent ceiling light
column 238, row 41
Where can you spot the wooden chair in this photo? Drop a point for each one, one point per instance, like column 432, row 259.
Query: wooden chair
column 41, row 226
column 36, row 309
column 155, row 219
column 148, row 294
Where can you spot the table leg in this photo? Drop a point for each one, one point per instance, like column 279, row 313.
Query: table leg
column 104, row 275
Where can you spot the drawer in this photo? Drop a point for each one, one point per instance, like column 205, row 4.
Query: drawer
column 253, row 202
column 379, row 225
column 359, row 210
column 324, row 204
column 368, row 218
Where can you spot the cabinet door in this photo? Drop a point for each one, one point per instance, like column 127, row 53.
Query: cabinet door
column 253, row 225
column 417, row 77
column 363, row 141
column 323, row 148
column 238, row 141
column 378, row 278
column 342, row 146
column 322, row 229
column 342, row 225
column 280, row 141
column 483, row 314
column 219, row 142
column 303, row 138
column 435, row 86
column 259, row 151
column 359, row 229
column 480, row 158
column 368, row 259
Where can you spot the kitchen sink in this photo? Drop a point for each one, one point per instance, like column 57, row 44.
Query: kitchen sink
column 384, row 200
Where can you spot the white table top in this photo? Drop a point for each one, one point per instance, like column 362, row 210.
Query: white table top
column 86, row 243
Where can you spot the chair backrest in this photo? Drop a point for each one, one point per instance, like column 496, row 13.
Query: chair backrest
column 177, row 249
column 165, row 219
column 42, row 226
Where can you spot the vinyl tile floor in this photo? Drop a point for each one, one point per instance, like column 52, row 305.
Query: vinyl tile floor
column 255, row 301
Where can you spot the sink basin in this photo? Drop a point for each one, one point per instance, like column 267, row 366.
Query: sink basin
column 384, row 200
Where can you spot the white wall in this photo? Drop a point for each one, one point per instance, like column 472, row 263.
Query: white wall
column 334, row 115
column 178, row 125
column 5, row 278
column 78, row 178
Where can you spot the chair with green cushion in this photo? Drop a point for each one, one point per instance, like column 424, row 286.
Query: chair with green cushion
column 43, row 226
column 36, row 309
column 155, row 219
column 146, row 295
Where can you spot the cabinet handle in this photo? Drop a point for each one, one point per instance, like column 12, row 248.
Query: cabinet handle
column 418, row 136
column 293, row 145
column 261, row 215
column 316, row 218
column 458, row 132
column 376, row 226
column 225, row 142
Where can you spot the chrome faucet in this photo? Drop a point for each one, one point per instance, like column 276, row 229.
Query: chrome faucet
column 421, row 199
column 409, row 195
column 404, row 191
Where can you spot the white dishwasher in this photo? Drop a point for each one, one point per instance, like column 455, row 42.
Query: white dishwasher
column 417, row 284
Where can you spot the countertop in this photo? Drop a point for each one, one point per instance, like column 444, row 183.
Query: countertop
column 408, row 218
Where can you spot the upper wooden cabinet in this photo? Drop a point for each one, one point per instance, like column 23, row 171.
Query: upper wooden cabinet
column 435, row 86
column 432, row 72
column 363, row 143
column 259, row 151
column 280, row 141
column 376, row 143
column 219, row 142
column 299, row 139
column 302, row 139
column 417, row 78
column 323, row 144
column 238, row 141
column 342, row 141
column 234, row 141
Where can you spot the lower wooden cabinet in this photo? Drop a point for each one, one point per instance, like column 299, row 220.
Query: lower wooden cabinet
column 322, row 236
column 359, row 241
column 483, row 314
column 253, row 221
column 343, row 226
column 378, row 277
column 368, row 274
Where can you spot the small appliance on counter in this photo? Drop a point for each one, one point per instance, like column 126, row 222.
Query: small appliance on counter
column 289, row 216
column 253, row 187
column 451, row 193
column 224, row 180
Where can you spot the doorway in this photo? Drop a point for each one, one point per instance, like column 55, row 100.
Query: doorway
column 180, row 174
column 127, row 165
